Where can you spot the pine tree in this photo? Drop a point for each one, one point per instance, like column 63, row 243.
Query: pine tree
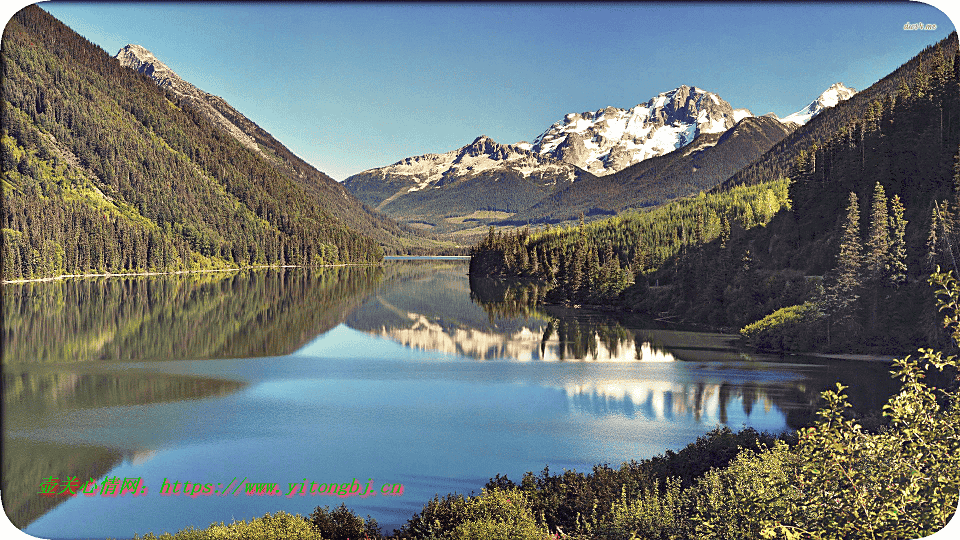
column 898, row 245
column 640, row 260
column 878, row 243
column 724, row 231
column 903, row 91
column 921, row 82
column 932, row 239
column 843, row 294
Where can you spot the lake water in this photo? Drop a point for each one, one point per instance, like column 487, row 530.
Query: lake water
column 402, row 374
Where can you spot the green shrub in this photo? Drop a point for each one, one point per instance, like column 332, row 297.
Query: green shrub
column 279, row 526
column 843, row 482
column 343, row 524
column 499, row 515
column 791, row 328
column 654, row 515
column 438, row 517
column 742, row 499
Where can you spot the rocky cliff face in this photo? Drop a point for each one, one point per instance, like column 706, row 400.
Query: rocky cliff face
column 143, row 61
column 611, row 139
column 213, row 107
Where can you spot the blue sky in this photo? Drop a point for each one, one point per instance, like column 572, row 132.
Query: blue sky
column 350, row 87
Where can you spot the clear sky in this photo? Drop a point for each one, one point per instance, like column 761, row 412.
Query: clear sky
column 350, row 87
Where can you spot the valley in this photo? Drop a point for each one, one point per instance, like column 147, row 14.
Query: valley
column 683, row 310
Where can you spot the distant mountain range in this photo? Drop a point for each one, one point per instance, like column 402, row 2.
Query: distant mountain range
column 699, row 166
column 590, row 162
column 608, row 140
column 464, row 189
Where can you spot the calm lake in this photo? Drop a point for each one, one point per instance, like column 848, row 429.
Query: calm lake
column 403, row 374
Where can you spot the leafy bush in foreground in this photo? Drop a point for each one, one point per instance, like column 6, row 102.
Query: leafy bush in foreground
column 842, row 482
column 499, row 515
column 279, row 526
column 342, row 524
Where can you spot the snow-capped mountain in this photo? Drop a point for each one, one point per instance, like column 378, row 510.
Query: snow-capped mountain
column 486, row 182
column 829, row 98
column 483, row 154
column 439, row 191
column 611, row 139
column 696, row 167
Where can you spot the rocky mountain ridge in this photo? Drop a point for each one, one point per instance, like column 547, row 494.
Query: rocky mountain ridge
column 450, row 192
column 464, row 188
column 609, row 140
column 698, row 166
column 213, row 107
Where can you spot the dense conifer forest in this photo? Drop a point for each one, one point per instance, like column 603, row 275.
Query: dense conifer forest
column 596, row 261
column 103, row 171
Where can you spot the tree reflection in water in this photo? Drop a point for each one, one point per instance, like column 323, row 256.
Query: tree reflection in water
column 702, row 376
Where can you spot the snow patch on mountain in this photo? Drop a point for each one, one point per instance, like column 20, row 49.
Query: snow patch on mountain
column 829, row 98
column 611, row 139
column 482, row 155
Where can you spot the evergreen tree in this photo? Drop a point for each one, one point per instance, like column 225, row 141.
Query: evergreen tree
column 724, row 231
column 921, row 82
column 897, row 262
column 932, row 240
column 876, row 262
column 640, row 260
column 844, row 293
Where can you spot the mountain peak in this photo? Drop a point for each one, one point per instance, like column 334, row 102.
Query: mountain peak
column 481, row 140
column 139, row 59
column 138, row 50
column 610, row 139
column 485, row 146
column 218, row 111
column 835, row 94
column 829, row 98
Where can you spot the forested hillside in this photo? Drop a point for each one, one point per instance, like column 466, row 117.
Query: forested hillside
column 594, row 262
column 329, row 194
column 103, row 171
column 872, row 210
column 778, row 161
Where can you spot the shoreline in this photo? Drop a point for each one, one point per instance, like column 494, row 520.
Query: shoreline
column 176, row 272
column 732, row 333
column 857, row 357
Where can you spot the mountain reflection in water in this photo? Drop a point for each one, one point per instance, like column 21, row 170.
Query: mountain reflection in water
column 702, row 376
column 536, row 342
